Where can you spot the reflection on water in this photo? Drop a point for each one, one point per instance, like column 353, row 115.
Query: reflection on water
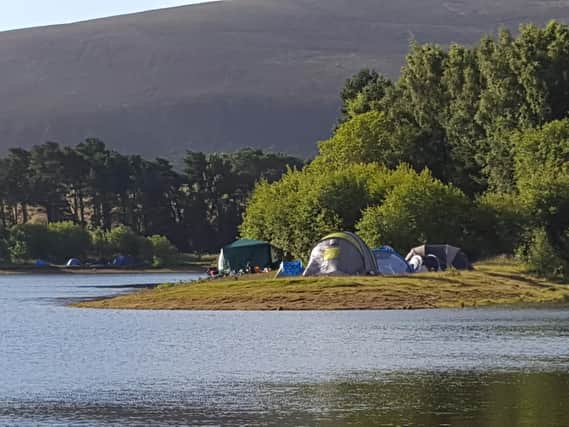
column 68, row 367
column 427, row 399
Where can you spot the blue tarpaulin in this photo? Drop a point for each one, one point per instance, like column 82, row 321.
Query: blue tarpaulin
column 290, row 269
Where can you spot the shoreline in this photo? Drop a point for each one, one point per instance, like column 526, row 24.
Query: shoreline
column 103, row 271
column 493, row 283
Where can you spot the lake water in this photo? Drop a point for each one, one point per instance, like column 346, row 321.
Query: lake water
column 71, row 367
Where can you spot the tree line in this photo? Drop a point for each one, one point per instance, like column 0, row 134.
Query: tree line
column 197, row 208
column 469, row 146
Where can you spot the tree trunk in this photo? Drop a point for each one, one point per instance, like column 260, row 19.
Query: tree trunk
column 81, row 209
column 24, row 213
column 75, row 207
column 3, row 214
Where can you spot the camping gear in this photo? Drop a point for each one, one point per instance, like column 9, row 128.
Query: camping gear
column 245, row 253
column 432, row 263
column 341, row 254
column 290, row 269
column 416, row 264
column 448, row 256
column 123, row 261
column 389, row 262
column 73, row 262
column 41, row 263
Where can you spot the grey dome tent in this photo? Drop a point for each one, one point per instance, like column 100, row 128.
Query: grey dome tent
column 447, row 255
column 341, row 254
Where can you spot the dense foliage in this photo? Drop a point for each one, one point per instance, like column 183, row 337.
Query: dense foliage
column 57, row 242
column 482, row 132
column 197, row 209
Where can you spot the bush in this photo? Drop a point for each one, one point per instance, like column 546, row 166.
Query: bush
column 508, row 219
column 541, row 257
column 164, row 252
column 4, row 254
column 418, row 211
column 100, row 244
column 29, row 241
column 55, row 242
column 302, row 207
column 67, row 240
column 123, row 241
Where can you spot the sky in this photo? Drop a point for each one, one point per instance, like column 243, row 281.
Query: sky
column 32, row 13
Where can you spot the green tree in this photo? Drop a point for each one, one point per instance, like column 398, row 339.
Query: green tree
column 123, row 241
column 48, row 180
column 29, row 241
column 163, row 252
column 67, row 240
column 418, row 211
column 366, row 138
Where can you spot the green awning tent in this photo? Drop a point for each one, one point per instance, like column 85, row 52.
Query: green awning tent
column 239, row 254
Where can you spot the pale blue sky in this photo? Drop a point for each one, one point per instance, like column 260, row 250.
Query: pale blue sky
column 31, row 13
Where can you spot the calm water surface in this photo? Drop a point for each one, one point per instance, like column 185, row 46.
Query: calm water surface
column 70, row 367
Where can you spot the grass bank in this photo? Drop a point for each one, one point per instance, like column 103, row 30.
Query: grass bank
column 495, row 282
column 188, row 263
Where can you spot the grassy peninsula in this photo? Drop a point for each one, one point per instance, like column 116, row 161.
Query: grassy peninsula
column 493, row 282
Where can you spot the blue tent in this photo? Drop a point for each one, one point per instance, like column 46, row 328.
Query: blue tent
column 42, row 263
column 73, row 262
column 123, row 261
column 389, row 262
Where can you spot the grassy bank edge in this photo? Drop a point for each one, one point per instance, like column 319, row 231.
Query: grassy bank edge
column 189, row 263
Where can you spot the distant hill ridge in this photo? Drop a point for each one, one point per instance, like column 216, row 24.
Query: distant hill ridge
column 224, row 75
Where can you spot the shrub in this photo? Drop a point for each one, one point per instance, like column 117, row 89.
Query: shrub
column 164, row 252
column 55, row 242
column 302, row 207
column 418, row 211
column 4, row 254
column 28, row 241
column 67, row 240
column 100, row 244
column 508, row 219
column 542, row 258
column 123, row 241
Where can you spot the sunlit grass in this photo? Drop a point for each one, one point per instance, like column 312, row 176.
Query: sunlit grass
column 500, row 281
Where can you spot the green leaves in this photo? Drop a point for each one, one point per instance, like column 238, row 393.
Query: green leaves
column 418, row 210
column 399, row 207
column 452, row 110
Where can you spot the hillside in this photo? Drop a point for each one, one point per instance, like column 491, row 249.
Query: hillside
column 223, row 75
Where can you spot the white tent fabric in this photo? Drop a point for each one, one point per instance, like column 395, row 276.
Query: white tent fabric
column 341, row 254
column 389, row 262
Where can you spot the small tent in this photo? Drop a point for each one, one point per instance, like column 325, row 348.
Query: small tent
column 389, row 262
column 73, row 262
column 290, row 269
column 341, row 254
column 448, row 256
column 242, row 253
column 123, row 261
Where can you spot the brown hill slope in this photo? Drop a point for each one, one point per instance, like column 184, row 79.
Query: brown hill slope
column 222, row 75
